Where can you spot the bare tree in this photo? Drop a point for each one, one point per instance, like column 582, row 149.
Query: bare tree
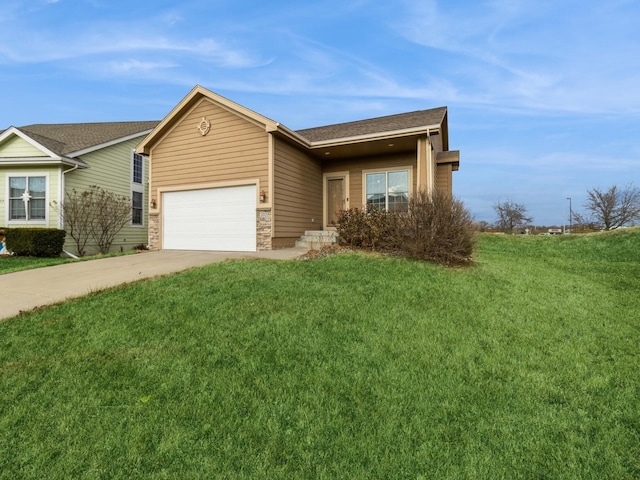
column 111, row 213
column 614, row 207
column 94, row 214
column 511, row 215
column 76, row 212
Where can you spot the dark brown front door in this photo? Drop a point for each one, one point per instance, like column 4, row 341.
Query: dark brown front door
column 335, row 200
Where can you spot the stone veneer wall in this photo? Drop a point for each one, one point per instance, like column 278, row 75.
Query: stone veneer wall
column 154, row 231
column 263, row 229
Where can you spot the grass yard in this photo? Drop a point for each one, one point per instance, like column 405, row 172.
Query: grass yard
column 14, row 264
column 525, row 366
column 10, row 264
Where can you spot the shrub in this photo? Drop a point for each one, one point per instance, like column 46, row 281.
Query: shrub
column 35, row 242
column 362, row 229
column 437, row 227
column 94, row 214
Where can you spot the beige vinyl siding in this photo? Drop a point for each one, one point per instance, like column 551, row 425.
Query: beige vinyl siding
column 16, row 147
column 53, row 189
column 356, row 166
column 443, row 177
column 235, row 149
column 111, row 169
column 298, row 192
column 436, row 143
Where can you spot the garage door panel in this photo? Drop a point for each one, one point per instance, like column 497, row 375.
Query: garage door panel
column 210, row 219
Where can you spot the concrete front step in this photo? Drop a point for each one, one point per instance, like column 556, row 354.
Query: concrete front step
column 315, row 239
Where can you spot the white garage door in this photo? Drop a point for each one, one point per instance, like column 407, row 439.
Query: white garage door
column 213, row 219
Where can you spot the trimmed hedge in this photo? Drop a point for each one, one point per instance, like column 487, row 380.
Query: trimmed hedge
column 35, row 242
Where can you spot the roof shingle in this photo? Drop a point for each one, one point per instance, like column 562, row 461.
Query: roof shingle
column 66, row 138
column 389, row 123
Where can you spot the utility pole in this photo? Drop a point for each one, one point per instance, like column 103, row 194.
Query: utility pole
column 570, row 216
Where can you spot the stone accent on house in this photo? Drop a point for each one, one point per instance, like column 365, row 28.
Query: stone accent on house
column 263, row 229
column 154, row 230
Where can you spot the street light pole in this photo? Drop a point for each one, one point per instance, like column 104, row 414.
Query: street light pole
column 570, row 216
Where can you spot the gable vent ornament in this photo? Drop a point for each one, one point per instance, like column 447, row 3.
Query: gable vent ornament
column 204, row 126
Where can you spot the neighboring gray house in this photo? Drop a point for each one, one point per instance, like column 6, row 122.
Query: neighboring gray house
column 40, row 163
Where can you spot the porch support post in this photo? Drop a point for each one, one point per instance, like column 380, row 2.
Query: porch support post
column 425, row 165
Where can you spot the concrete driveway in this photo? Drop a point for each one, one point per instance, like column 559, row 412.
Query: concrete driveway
column 29, row 289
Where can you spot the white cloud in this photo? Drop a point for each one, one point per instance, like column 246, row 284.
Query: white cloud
column 544, row 56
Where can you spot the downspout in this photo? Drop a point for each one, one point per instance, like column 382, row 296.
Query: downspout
column 61, row 197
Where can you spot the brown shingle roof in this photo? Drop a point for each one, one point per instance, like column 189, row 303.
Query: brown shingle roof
column 66, row 138
column 389, row 123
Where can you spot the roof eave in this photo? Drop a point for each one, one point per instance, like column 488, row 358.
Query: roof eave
column 110, row 143
column 22, row 161
column 407, row 132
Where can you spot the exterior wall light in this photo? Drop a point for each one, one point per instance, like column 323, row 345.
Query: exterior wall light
column 263, row 196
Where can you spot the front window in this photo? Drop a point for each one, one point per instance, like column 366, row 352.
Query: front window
column 388, row 190
column 27, row 198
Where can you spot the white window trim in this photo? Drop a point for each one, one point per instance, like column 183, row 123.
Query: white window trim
column 27, row 223
column 386, row 171
column 139, row 188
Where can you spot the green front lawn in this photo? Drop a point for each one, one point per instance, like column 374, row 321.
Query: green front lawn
column 526, row 365
column 14, row 264
column 10, row 264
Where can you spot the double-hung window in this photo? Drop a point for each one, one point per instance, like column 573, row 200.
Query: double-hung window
column 28, row 198
column 137, row 189
column 387, row 190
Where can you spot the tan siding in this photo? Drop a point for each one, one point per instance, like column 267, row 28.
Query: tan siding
column 234, row 150
column 356, row 166
column 17, row 147
column 443, row 177
column 298, row 191
column 111, row 169
column 285, row 242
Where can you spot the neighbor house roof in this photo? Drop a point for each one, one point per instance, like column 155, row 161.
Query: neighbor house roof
column 72, row 139
column 371, row 126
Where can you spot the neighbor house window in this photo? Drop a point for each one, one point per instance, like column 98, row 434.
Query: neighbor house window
column 28, row 198
column 136, row 208
column 388, row 190
column 138, row 163
column 137, row 189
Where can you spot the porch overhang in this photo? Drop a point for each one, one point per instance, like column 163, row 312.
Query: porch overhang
column 451, row 157
column 382, row 143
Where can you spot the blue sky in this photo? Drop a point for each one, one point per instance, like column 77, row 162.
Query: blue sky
column 543, row 95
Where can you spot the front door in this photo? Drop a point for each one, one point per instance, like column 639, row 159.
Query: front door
column 336, row 199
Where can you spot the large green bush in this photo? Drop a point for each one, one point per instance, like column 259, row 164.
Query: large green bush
column 437, row 227
column 35, row 242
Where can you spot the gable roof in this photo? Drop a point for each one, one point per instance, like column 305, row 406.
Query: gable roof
column 196, row 94
column 73, row 139
column 372, row 126
column 432, row 121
